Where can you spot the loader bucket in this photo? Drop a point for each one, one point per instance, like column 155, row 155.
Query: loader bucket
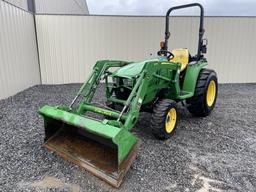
column 104, row 150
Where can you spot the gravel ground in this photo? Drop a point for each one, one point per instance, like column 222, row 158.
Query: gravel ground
column 216, row 153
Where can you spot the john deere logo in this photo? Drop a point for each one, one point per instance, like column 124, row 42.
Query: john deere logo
column 103, row 112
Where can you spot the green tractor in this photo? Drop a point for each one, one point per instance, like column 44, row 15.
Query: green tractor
column 105, row 146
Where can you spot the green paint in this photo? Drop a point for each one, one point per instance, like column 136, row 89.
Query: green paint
column 123, row 139
column 191, row 76
column 148, row 79
column 90, row 125
column 133, row 69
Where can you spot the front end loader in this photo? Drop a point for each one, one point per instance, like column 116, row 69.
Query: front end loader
column 105, row 145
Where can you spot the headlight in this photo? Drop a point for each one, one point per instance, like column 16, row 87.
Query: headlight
column 123, row 81
column 127, row 82
column 115, row 80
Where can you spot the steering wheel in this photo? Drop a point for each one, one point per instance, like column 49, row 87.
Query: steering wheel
column 166, row 53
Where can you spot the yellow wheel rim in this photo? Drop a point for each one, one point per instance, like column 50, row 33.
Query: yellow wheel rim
column 211, row 93
column 170, row 121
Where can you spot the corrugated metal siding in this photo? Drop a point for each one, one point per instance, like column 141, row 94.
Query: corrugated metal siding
column 19, row 3
column 61, row 6
column 70, row 45
column 19, row 68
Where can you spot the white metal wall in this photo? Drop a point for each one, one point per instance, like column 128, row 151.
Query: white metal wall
column 19, row 68
column 70, row 45
column 61, row 6
column 19, row 3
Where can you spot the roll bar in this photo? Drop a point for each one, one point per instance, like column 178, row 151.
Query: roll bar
column 201, row 47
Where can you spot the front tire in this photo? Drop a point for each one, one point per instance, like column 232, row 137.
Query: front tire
column 205, row 96
column 164, row 119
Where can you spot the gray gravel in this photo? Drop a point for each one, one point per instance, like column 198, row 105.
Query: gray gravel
column 216, row 153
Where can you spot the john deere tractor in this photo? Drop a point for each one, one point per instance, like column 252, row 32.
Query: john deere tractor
column 105, row 146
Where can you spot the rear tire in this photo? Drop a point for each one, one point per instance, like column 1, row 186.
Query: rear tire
column 164, row 119
column 204, row 99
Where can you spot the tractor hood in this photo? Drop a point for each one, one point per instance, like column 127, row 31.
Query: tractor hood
column 134, row 69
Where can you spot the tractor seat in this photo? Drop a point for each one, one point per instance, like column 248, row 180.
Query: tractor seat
column 181, row 56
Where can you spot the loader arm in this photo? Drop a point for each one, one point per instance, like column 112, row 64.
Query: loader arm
column 153, row 78
column 104, row 148
column 89, row 87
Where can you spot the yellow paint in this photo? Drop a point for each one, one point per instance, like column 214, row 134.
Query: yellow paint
column 165, row 63
column 103, row 112
column 181, row 56
column 171, row 119
column 211, row 93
